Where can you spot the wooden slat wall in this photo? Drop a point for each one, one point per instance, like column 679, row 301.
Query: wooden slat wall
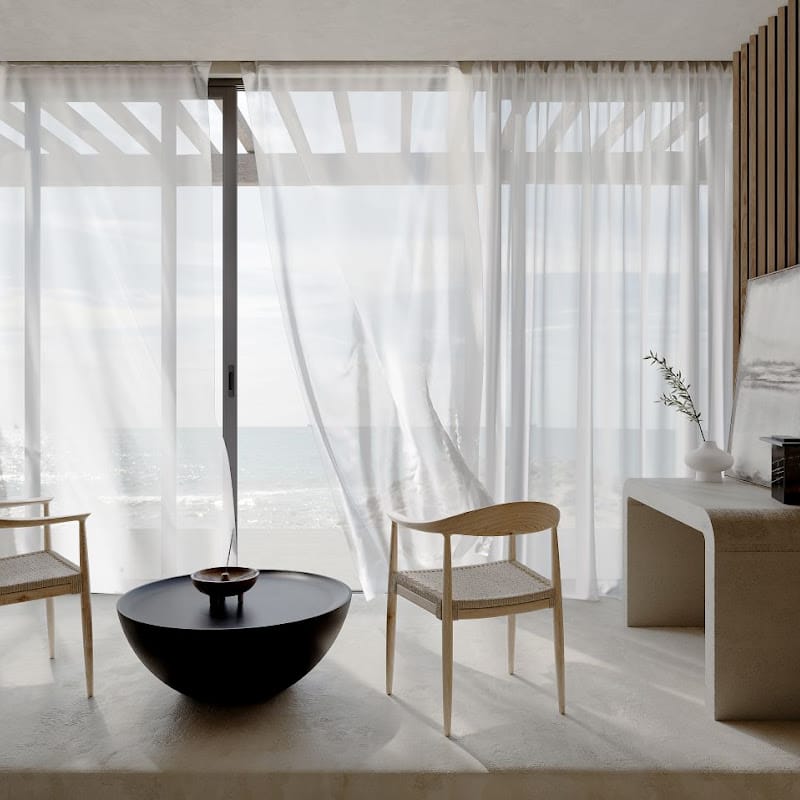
column 771, row 115
column 740, row 281
column 765, row 154
column 737, row 200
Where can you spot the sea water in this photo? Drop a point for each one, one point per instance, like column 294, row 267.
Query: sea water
column 282, row 483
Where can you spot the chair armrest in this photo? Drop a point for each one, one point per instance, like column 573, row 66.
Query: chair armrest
column 502, row 519
column 31, row 501
column 462, row 524
column 403, row 522
column 34, row 522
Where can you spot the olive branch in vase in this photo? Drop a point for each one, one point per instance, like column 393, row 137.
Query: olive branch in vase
column 678, row 397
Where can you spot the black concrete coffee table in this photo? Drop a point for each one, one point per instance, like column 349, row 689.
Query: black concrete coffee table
column 285, row 626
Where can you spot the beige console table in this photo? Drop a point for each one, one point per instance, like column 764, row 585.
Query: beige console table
column 741, row 579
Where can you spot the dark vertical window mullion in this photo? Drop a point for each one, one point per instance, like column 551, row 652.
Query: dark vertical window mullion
column 227, row 92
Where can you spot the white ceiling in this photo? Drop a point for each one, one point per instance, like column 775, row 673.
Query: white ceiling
column 232, row 30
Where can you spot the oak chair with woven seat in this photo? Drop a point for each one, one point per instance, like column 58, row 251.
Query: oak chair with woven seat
column 45, row 574
column 493, row 589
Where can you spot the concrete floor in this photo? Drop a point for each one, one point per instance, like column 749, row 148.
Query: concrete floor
column 635, row 726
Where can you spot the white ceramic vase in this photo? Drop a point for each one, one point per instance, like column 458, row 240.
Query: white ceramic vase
column 708, row 462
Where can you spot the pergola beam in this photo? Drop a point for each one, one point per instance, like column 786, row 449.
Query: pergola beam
column 193, row 130
column 346, row 122
column 559, row 127
column 77, row 124
column 618, row 126
column 292, row 122
column 244, row 133
column 14, row 118
column 342, row 169
column 676, row 127
column 135, row 128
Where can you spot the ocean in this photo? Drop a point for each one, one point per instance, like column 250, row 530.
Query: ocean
column 282, row 483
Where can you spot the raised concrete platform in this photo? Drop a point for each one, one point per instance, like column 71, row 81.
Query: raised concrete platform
column 635, row 724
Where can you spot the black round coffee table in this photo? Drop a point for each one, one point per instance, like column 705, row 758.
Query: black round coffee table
column 286, row 625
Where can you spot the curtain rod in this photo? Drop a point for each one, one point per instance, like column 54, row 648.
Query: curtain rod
column 232, row 69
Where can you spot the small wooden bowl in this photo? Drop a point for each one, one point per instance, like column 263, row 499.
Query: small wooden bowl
column 221, row 582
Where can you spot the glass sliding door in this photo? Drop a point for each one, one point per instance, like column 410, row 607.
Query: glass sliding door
column 287, row 515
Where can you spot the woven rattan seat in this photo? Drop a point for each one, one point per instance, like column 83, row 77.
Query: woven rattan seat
column 38, row 570
column 498, row 583
column 494, row 589
column 45, row 574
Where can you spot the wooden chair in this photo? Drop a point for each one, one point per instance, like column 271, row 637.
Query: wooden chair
column 494, row 589
column 47, row 574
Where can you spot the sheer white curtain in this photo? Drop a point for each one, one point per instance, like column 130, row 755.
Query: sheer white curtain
column 372, row 228
column 472, row 264
column 605, row 200
column 108, row 312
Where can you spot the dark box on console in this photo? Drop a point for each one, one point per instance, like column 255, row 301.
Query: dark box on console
column 785, row 468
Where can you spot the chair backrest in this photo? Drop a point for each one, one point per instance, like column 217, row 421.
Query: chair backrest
column 498, row 520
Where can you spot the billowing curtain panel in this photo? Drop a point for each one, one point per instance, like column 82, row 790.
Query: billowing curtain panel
column 371, row 222
column 605, row 221
column 107, row 313
column 472, row 264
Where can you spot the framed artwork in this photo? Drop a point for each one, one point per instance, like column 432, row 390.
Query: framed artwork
column 767, row 397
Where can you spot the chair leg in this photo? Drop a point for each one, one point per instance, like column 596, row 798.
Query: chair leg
column 447, row 671
column 88, row 651
column 391, row 624
column 51, row 626
column 512, row 631
column 558, row 644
